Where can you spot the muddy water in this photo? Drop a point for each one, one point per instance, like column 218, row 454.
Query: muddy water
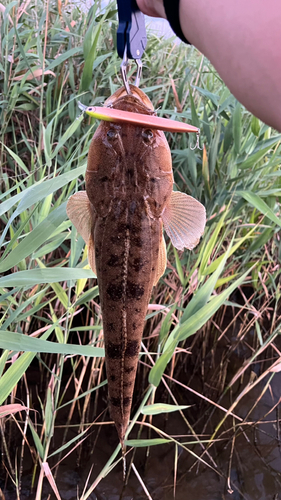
column 255, row 469
column 248, row 468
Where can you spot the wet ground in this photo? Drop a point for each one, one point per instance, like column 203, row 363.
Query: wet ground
column 244, row 464
column 252, row 460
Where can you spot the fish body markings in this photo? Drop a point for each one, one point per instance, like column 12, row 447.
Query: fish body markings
column 129, row 183
column 126, row 184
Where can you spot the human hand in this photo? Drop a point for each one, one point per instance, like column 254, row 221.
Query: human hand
column 154, row 8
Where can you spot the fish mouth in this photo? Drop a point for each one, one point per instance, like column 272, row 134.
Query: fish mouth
column 137, row 101
column 137, row 96
column 132, row 104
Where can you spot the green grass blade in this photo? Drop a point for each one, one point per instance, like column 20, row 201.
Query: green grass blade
column 145, row 443
column 69, row 443
column 204, row 293
column 237, row 124
column 159, row 408
column 214, row 148
column 64, row 57
column 48, row 413
column 36, row 440
column 38, row 192
column 14, row 373
column 50, row 275
column 211, row 243
column 17, row 159
column 191, row 326
column 18, row 342
column 3, row 359
column 195, row 322
column 68, row 133
column 260, row 205
column 35, row 238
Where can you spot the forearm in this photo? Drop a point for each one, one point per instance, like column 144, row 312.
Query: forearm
column 242, row 39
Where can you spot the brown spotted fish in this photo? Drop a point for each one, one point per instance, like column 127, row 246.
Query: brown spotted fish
column 129, row 196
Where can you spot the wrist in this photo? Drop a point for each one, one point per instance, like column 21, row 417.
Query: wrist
column 173, row 14
column 154, row 8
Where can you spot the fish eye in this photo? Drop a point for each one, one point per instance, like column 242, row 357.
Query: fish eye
column 90, row 109
column 111, row 134
column 147, row 135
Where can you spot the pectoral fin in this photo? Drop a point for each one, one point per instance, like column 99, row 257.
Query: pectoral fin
column 184, row 220
column 162, row 261
column 78, row 209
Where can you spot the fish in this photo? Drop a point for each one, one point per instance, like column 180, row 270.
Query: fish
column 129, row 197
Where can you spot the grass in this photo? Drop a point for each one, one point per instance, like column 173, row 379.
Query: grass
column 216, row 307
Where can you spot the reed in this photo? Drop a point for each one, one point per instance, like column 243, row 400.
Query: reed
column 215, row 314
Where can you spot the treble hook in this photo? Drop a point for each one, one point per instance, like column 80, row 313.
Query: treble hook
column 197, row 145
column 123, row 68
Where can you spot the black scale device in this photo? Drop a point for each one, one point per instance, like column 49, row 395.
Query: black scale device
column 131, row 37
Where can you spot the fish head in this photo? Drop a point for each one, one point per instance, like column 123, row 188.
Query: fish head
column 129, row 160
column 137, row 99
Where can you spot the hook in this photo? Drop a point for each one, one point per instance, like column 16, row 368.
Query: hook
column 139, row 71
column 123, row 68
column 81, row 106
column 197, row 145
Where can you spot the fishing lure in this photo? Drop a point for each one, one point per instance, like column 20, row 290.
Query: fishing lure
column 129, row 197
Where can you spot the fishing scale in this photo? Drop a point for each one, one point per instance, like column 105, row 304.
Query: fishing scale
column 131, row 38
column 131, row 43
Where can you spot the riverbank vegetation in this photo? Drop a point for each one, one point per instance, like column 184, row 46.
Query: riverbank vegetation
column 211, row 340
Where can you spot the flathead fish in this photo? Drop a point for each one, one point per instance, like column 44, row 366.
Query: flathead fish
column 129, row 197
